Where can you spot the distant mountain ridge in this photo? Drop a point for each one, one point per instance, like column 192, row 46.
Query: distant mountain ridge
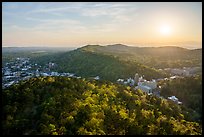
column 161, row 55
column 32, row 49
column 125, row 47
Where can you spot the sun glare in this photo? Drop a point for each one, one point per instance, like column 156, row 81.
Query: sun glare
column 165, row 29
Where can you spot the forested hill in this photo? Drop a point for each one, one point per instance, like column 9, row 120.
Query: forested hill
column 166, row 51
column 120, row 61
column 70, row 106
column 158, row 57
column 91, row 64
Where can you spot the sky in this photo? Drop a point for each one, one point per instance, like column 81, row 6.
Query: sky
column 72, row 24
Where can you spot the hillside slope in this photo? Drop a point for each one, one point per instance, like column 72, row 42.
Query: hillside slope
column 69, row 106
column 107, row 67
column 158, row 57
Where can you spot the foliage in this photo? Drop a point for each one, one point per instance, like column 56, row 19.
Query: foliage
column 70, row 106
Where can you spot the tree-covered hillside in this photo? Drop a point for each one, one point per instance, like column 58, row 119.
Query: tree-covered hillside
column 69, row 106
column 189, row 92
column 157, row 57
column 120, row 61
column 91, row 64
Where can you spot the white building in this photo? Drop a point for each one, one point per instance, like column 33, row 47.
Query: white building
column 120, row 81
column 141, row 79
column 97, row 78
column 44, row 74
column 175, row 99
column 147, row 86
column 173, row 77
column 152, row 84
column 131, row 81
column 144, row 88
column 54, row 73
column 70, row 75
column 24, row 69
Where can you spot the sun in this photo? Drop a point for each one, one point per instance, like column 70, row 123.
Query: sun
column 165, row 29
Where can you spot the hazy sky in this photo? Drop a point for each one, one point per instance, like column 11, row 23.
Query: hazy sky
column 81, row 23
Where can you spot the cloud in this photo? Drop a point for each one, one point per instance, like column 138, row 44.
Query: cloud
column 117, row 11
column 113, row 15
column 75, row 21
column 59, row 9
column 74, row 13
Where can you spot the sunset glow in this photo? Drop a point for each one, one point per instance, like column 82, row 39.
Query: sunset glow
column 81, row 23
column 165, row 29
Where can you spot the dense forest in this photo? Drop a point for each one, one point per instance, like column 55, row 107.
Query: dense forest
column 91, row 64
column 189, row 92
column 70, row 106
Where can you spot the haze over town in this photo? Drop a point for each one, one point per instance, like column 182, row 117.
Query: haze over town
column 75, row 24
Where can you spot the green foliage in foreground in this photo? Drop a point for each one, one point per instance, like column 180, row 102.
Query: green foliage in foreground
column 69, row 106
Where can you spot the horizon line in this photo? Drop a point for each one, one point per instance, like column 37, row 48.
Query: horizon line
column 146, row 46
